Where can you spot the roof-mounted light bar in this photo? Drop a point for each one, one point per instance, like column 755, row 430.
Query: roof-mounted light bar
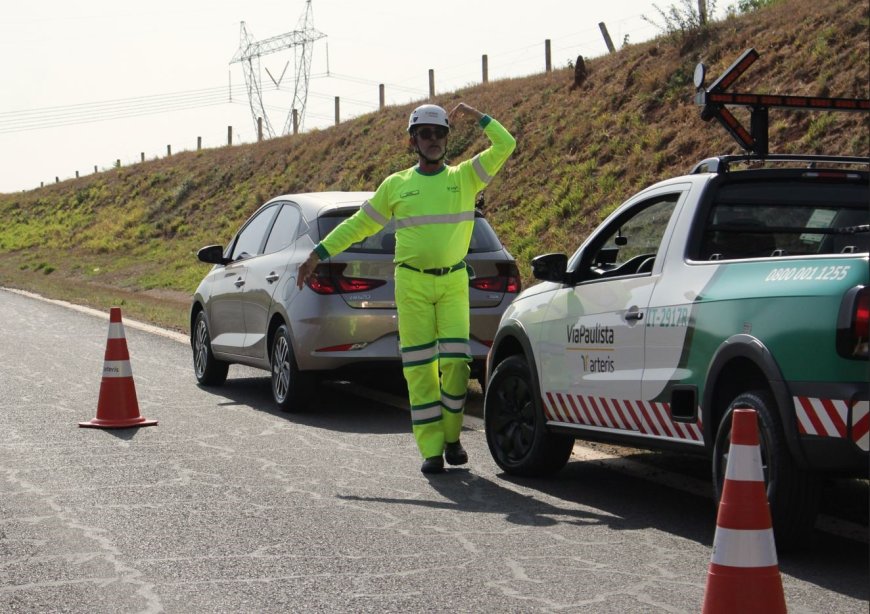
column 713, row 101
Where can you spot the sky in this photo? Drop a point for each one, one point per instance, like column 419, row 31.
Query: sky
column 89, row 83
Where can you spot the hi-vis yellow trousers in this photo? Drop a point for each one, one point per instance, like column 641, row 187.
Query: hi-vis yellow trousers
column 433, row 334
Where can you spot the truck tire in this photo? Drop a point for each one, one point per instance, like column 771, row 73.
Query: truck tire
column 793, row 493
column 515, row 426
column 292, row 389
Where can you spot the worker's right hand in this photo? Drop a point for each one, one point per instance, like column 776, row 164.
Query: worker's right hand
column 306, row 269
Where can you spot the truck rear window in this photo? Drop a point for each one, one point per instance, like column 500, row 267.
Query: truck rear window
column 786, row 218
column 483, row 237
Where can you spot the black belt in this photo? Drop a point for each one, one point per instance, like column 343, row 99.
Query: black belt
column 442, row 271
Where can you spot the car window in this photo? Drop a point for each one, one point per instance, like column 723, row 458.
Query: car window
column 251, row 236
column 284, row 229
column 483, row 237
column 629, row 244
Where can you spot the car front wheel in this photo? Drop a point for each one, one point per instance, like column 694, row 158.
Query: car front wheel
column 515, row 426
column 291, row 388
column 209, row 370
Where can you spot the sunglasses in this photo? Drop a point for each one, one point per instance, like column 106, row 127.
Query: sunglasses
column 438, row 132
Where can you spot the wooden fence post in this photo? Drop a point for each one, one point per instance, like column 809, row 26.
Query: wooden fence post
column 259, row 129
column 606, row 36
column 142, row 156
column 484, row 61
column 168, row 150
column 548, row 61
column 198, row 143
column 295, row 121
column 337, row 109
column 229, row 135
column 382, row 101
column 431, row 83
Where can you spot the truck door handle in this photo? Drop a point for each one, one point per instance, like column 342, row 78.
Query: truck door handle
column 272, row 278
column 239, row 282
column 633, row 316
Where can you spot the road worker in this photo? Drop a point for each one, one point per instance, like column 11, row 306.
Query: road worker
column 433, row 205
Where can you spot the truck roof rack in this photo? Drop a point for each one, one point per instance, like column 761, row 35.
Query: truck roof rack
column 714, row 99
column 722, row 164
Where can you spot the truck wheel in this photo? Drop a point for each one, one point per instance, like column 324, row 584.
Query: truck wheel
column 292, row 389
column 209, row 371
column 793, row 493
column 515, row 427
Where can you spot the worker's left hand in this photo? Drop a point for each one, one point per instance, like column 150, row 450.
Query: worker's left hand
column 463, row 109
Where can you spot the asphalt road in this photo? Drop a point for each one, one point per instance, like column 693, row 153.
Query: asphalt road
column 230, row 506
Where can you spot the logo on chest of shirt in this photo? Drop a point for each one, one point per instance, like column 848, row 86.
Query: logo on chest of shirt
column 453, row 188
column 409, row 194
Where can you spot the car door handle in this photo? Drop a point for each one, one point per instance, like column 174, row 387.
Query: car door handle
column 272, row 278
column 633, row 316
column 239, row 282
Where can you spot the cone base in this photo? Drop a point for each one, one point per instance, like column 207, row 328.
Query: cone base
column 99, row 423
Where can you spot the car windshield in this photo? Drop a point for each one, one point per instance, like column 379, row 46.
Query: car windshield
column 483, row 237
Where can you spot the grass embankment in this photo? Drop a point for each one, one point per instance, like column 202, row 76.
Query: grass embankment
column 129, row 236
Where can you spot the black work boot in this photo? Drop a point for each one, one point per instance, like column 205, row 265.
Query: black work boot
column 433, row 464
column 455, row 454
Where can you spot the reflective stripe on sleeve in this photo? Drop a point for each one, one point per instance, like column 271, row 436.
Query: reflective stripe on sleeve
column 419, row 355
column 743, row 548
column 744, row 464
column 117, row 368
column 373, row 213
column 478, row 168
column 422, row 414
column 446, row 218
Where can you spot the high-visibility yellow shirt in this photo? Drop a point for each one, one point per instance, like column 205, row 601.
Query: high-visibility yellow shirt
column 434, row 212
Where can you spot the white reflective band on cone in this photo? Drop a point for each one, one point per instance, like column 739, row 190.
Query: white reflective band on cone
column 744, row 548
column 117, row 368
column 116, row 330
column 744, row 464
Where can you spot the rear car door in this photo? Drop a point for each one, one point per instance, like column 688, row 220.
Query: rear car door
column 592, row 341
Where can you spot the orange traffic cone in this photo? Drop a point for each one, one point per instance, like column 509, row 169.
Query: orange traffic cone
column 744, row 572
column 117, row 407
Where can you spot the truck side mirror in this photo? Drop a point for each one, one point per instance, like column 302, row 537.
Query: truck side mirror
column 550, row 267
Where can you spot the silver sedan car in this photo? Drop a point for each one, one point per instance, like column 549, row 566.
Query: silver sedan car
column 248, row 310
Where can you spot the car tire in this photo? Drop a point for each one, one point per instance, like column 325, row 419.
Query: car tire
column 515, row 426
column 292, row 389
column 209, row 371
column 793, row 493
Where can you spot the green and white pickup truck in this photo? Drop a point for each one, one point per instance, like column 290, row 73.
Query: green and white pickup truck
column 727, row 287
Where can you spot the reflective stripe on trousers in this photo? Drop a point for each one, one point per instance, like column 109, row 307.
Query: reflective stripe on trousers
column 433, row 331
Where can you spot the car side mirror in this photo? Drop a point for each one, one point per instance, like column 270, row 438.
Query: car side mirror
column 550, row 267
column 213, row 254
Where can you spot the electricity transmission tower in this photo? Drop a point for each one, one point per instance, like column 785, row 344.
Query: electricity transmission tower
column 301, row 41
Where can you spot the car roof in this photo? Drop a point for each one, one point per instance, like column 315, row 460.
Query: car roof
column 320, row 202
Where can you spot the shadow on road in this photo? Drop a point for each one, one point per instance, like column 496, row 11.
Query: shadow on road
column 333, row 408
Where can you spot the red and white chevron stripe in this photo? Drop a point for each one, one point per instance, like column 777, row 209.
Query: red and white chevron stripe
column 643, row 417
column 830, row 418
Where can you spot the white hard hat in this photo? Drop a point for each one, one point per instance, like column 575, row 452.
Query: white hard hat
column 430, row 114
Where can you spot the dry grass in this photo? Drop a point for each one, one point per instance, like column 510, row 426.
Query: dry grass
column 130, row 235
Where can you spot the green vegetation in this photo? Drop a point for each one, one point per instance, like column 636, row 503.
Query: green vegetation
column 129, row 235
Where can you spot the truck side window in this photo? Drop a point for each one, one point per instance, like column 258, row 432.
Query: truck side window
column 629, row 245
